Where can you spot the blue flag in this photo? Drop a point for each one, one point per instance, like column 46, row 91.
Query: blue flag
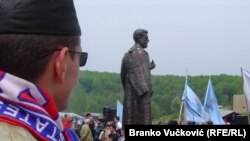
column 193, row 108
column 211, row 106
column 119, row 109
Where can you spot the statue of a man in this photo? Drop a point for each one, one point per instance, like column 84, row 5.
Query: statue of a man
column 136, row 81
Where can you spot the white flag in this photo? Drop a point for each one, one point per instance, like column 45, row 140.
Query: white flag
column 246, row 86
column 119, row 109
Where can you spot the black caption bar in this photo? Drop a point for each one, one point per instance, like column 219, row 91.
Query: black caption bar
column 240, row 132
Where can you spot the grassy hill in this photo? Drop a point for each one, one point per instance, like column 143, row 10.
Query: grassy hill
column 96, row 90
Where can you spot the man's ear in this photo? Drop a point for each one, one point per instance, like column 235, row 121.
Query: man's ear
column 61, row 64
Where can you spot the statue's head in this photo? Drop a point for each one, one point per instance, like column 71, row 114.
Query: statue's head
column 141, row 37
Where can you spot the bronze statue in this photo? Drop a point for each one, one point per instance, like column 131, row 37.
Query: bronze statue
column 136, row 81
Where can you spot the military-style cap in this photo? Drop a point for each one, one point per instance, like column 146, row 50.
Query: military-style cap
column 52, row 17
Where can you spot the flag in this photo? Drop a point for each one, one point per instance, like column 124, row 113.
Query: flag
column 246, row 86
column 211, row 106
column 193, row 108
column 119, row 109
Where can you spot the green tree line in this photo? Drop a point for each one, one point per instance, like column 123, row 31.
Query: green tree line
column 96, row 90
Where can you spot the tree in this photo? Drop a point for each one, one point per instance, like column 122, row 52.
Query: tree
column 176, row 104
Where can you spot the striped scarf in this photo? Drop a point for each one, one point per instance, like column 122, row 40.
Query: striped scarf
column 24, row 104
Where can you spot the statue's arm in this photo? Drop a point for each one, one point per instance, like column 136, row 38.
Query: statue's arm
column 152, row 65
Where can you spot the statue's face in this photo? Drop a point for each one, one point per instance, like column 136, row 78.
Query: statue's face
column 143, row 41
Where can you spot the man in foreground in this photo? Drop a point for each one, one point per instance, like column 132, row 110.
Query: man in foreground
column 40, row 55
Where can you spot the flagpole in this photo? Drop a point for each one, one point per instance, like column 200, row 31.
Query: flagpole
column 179, row 120
column 245, row 97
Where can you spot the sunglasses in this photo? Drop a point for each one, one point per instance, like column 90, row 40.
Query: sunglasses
column 83, row 56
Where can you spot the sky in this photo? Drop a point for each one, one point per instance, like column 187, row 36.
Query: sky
column 200, row 37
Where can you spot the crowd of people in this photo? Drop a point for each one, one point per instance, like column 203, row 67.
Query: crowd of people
column 95, row 129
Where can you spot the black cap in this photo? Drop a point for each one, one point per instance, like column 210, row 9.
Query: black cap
column 52, row 17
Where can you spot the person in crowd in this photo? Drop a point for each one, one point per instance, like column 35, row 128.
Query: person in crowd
column 85, row 132
column 40, row 56
column 78, row 128
column 107, row 131
column 98, row 129
column 67, row 123
column 91, row 124
column 118, row 124
column 114, row 135
column 110, row 133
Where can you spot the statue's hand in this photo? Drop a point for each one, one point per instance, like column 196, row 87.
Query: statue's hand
column 152, row 65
